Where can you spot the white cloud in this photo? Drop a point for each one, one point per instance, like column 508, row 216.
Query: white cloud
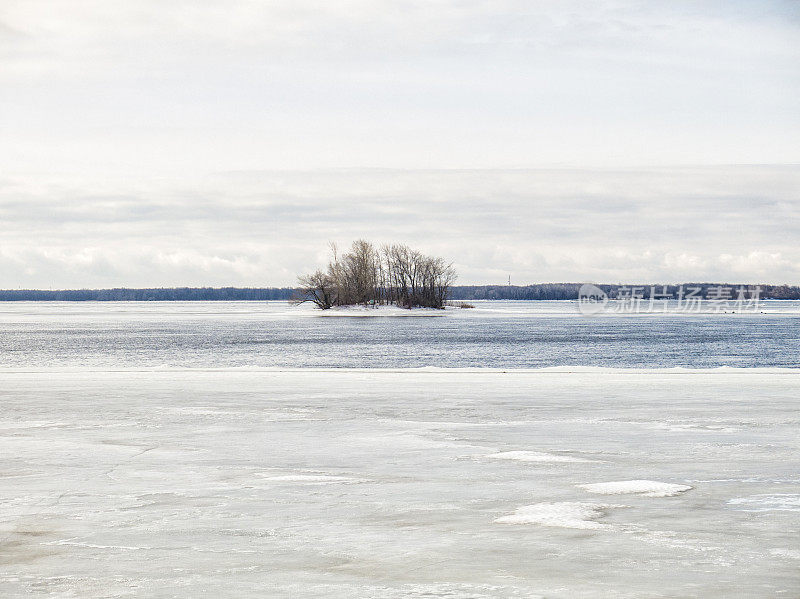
column 262, row 228
column 196, row 86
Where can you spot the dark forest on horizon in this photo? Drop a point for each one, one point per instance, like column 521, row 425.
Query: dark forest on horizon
column 539, row 291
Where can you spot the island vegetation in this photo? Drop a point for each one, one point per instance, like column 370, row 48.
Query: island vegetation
column 390, row 275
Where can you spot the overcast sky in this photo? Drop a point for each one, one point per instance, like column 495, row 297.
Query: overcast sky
column 224, row 142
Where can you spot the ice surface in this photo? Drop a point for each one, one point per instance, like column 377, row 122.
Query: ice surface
column 645, row 488
column 249, row 483
column 566, row 514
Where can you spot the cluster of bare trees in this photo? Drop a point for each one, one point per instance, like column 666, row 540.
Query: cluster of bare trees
column 394, row 274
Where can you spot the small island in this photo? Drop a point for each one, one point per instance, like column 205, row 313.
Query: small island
column 395, row 275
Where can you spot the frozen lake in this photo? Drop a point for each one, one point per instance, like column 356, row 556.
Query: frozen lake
column 400, row 484
column 177, row 451
column 496, row 334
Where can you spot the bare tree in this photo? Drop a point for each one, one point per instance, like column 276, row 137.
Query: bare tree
column 317, row 287
column 394, row 275
column 361, row 267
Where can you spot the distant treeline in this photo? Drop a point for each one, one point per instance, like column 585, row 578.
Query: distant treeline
column 541, row 291
column 167, row 294
column 569, row 291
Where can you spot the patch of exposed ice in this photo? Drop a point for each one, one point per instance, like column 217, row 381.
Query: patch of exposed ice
column 201, row 411
column 787, row 553
column 434, row 507
column 535, row 456
column 309, row 478
column 446, row 424
column 691, row 427
column 19, row 473
column 73, row 543
column 422, row 590
column 645, row 488
column 675, row 540
column 32, row 424
column 768, row 502
column 749, row 479
column 563, row 514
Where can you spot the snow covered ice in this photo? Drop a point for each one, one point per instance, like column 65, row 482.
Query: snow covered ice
column 534, row 456
column 248, row 482
column 645, row 488
column 566, row 514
